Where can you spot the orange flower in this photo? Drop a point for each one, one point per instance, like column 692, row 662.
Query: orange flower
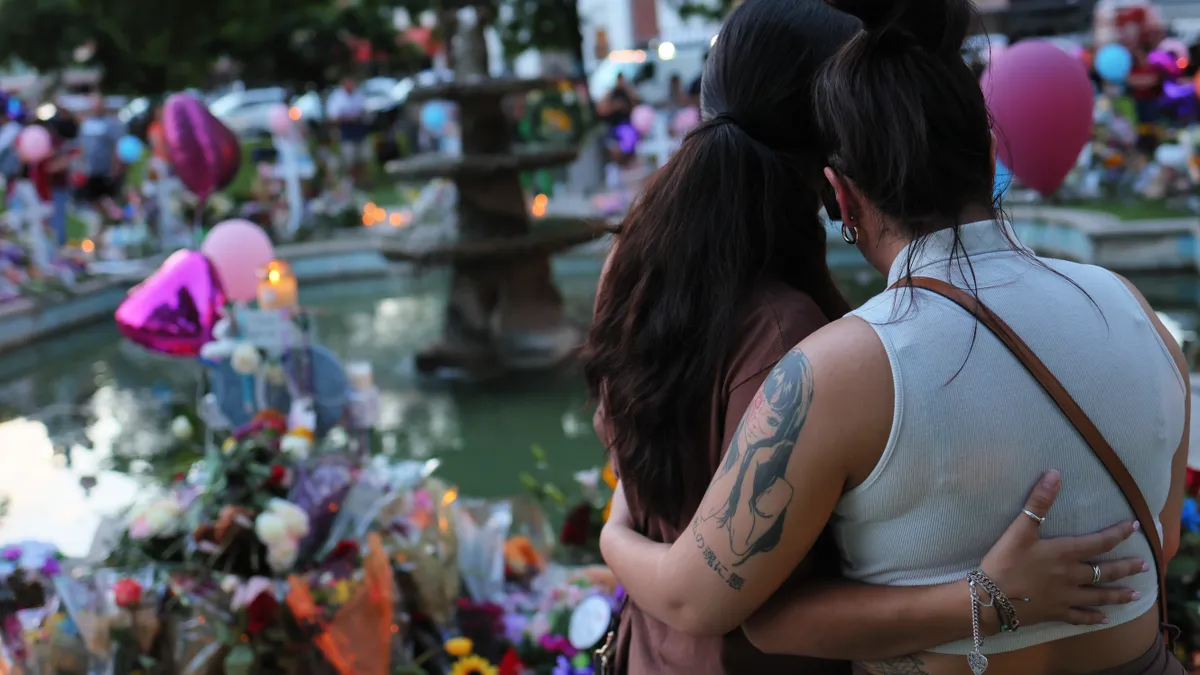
column 521, row 556
column 609, row 476
column 607, row 510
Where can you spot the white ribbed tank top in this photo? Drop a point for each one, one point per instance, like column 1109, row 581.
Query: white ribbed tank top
column 967, row 445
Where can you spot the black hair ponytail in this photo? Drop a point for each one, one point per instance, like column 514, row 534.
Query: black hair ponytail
column 906, row 115
column 736, row 204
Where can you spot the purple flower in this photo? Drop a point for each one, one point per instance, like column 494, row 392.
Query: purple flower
column 11, row 554
column 558, row 644
column 51, row 568
column 618, row 598
column 562, row 666
column 515, row 624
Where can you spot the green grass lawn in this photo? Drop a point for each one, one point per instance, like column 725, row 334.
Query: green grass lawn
column 1139, row 209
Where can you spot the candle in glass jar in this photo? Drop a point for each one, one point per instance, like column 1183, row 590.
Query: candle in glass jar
column 360, row 376
column 277, row 289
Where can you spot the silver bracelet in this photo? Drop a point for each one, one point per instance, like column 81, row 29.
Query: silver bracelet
column 975, row 657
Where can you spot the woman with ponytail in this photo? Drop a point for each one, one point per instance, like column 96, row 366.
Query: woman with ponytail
column 905, row 429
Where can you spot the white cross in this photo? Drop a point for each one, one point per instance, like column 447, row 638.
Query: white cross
column 293, row 166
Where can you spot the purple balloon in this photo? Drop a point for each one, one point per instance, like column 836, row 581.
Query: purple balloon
column 174, row 310
column 193, row 143
column 1041, row 101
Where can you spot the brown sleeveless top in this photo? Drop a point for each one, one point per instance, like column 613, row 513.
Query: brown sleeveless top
column 776, row 318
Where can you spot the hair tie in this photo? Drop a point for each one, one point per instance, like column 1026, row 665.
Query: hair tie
column 722, row 119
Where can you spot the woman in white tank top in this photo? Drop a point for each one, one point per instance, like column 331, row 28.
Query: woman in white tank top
column 909, row 428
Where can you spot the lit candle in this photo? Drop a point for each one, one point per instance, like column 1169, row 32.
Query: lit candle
column 360, row 376
column 277, row 288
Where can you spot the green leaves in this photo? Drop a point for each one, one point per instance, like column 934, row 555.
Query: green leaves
column 240, row 660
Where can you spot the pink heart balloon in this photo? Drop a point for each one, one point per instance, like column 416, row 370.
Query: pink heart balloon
column 192, row 143
column 1041, row 101
column 174, row 310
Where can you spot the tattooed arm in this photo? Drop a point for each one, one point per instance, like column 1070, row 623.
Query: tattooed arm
column 820, row 421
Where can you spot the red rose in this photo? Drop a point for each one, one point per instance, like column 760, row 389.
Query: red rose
column 511, row 663
column 128, row 593
column 278, row 476
column 261, row 612
column 345, row 548
column 577, row 527
column 1192, row 482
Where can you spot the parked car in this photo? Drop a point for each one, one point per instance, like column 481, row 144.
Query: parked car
column 245, row 112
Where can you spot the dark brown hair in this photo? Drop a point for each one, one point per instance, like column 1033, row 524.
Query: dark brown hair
column 737, row 204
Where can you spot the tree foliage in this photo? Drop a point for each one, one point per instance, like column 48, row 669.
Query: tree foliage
column 713, row 10
column 151, row 46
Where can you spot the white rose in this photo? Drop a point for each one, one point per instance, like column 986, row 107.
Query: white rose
column 216, row 351
column 270, row 528
column 294, row 517
column 230, row 584
column 275, row 375
column 181, row 427
column 245, row 359
column 296, row 447
column 282, row 554
column 155, row 519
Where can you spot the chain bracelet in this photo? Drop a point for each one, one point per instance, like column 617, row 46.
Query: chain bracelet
column 975, row 658
column 1004, row 607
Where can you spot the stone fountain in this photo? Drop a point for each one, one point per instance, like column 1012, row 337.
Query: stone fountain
column 504, row 312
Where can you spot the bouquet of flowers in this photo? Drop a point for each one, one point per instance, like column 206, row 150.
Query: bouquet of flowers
column 583, row 515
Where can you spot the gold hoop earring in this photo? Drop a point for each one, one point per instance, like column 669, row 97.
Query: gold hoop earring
column 849, row 231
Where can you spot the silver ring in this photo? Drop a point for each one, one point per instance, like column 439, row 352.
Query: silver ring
column 1095, row 574
column 1033, row 515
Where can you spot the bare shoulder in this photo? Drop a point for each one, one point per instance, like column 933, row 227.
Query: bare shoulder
column 853, row 394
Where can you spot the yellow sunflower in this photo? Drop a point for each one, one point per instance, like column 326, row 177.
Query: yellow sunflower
column 473, row 665
column 459, row 647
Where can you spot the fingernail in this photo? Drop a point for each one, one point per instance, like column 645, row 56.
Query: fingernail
column 1136, row 595
column 1104, row 620
column 1136, row 526
column 1051, row 479
column 1145, row 567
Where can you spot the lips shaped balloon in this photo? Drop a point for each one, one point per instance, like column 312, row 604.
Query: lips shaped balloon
column 1041, row 101
column 174, row 310
column 203, row 152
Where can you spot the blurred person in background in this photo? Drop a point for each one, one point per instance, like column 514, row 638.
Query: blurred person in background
column 347, row 111
column 101, row 168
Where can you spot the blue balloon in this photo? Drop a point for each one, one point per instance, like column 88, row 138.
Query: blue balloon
column 1003, row 181
column 1114, row 63
column 434, row 117
column 130, row 149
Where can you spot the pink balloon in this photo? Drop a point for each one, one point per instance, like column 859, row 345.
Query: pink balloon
column 642, row 119
column 1041, row 100
column 192, row 143
column 34, row 144
column 239, row 250
column 174, row 310
column 685, row 120
column 278, row 120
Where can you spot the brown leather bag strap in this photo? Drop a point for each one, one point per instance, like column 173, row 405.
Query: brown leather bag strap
column 1083, row 424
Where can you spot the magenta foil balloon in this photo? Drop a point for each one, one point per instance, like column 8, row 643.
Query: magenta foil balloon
column 174, row 311
column 229, row 155
column 193, row 143
column 1041, row 102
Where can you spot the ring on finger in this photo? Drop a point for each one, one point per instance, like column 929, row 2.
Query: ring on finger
column 1095, row 574
column 1031, row 514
